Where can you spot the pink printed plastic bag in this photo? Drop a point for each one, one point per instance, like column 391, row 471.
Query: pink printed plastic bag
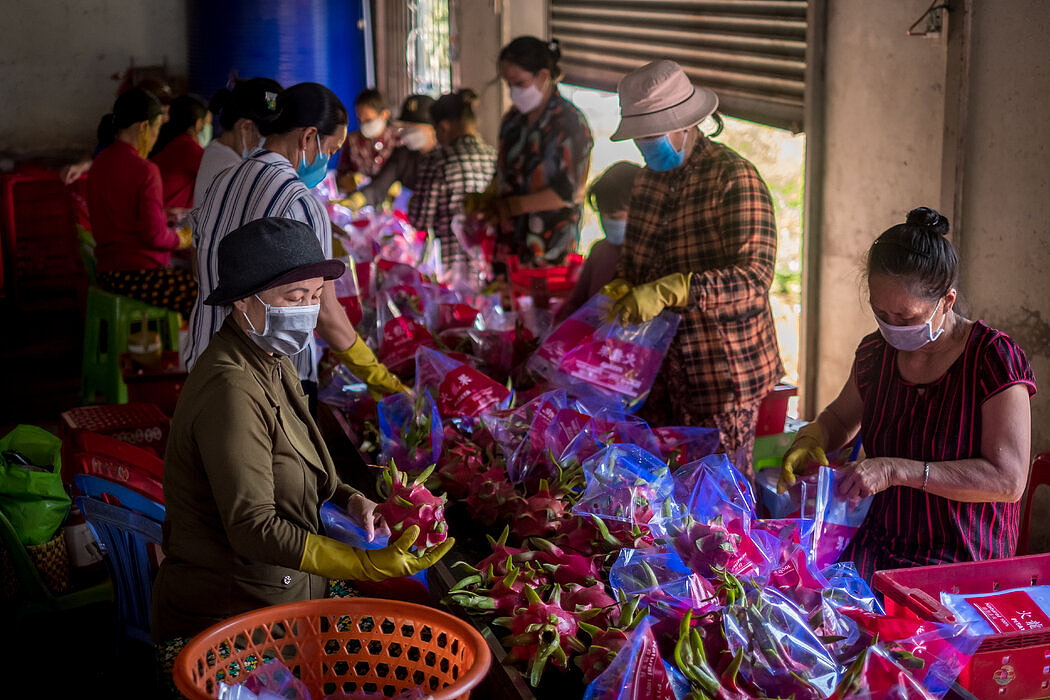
column 459, row 390
column 621, row 361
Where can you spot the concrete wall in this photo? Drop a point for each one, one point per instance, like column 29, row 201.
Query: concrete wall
column 884, row 116
column 1006, row 208
column 58, row 57
column 482, row 28
column 885, row 153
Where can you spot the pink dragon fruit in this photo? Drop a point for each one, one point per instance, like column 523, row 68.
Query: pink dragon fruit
column 540, row 632
column 705, row 547
column 459, row 465
column 491, row 497
column 502, row 597
column 606, row 642
column 409, row 503
column 540, row 513
column 501, row 553
column 593, row 603
column 563, row 567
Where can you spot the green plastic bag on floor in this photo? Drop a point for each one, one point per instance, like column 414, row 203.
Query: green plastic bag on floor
column 32, row 495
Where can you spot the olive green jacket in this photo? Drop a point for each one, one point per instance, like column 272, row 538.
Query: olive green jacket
column 245, row 473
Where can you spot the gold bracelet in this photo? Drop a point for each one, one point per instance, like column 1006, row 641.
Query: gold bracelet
column 925, row 474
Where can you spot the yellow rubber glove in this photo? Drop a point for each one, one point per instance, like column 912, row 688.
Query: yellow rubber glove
column 394, row 190
column 363, row 363
column 185, row 237
column 616, row 289
column 333, row 559
column 355, row 200
column 476, row 202
column 647, row 300
column 807, row 448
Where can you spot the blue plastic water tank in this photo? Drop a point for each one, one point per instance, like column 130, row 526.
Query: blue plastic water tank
column 291, row 41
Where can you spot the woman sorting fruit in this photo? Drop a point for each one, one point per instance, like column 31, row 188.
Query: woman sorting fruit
column 942, row 405
column 246, row 469
column 701, row 240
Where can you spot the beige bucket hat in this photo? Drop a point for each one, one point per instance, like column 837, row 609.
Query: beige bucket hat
column 659, row 98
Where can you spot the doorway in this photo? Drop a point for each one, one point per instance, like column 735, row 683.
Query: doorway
column 779, row 156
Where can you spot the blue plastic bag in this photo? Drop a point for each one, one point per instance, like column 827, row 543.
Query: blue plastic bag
column 339, row 526
column 410, row 433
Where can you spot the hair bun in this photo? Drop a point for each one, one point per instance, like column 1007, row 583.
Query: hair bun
column 554, row 46
column 931, row 221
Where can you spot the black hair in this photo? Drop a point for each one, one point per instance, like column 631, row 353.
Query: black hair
column 610, row 192
column 252, row 98
column 131, row 107
column 917, row 251
column 370, row 97
column 184, row 113
column 455, row 106
column 533, row 55
column 303, row 105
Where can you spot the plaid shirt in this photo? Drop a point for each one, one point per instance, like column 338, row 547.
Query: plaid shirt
column 712, row 216
column 466, row 165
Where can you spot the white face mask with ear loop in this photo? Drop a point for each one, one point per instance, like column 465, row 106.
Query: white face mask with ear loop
column 910, row 338
column 287, row 329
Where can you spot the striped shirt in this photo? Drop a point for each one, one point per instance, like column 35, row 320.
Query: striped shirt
column 263, row 185
column 935, row 422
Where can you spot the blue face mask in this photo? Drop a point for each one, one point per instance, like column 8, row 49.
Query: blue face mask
column 614, row 229
column 659, row 154
column 312, row 174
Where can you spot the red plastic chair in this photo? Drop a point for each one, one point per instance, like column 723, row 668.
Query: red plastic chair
column 102, row 455
column 1040, row 476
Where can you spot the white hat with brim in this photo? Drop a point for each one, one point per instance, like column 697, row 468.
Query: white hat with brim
column 659, row 98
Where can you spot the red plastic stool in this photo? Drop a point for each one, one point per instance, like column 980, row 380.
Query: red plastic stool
column 1040, row 476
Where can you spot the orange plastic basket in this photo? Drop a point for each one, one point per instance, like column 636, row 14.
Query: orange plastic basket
column 340, row 645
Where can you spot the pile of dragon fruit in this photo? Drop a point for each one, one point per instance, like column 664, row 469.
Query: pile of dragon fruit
column 627, row 558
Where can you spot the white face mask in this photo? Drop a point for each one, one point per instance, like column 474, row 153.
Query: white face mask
column 373, row 127
column 526, row 99
column 413, row 139
column 909, row 338
column 614, row 229
column 288, row 329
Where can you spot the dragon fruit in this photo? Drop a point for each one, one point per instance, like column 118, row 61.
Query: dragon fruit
column 503, row 596
column 540, row 632
column 606, row 642
column 460, row 464
column 539, row 514
column 593, row 603
column 408, row 503
column 705, row 547
column 563, row 567
column 491, row 496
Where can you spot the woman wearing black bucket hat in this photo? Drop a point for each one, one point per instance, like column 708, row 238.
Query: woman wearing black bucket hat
column 246, row 469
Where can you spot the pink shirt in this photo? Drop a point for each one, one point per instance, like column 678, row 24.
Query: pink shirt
column 126, row 203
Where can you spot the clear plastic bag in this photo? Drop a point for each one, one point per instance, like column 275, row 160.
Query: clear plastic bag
column 338, row 525
column 781, row 654
column 837, row 520
column 624, row 483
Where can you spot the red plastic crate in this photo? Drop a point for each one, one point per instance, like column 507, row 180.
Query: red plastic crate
column 1012, row 665
column 160, row 385
column 772, row 412
column 141, row 424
